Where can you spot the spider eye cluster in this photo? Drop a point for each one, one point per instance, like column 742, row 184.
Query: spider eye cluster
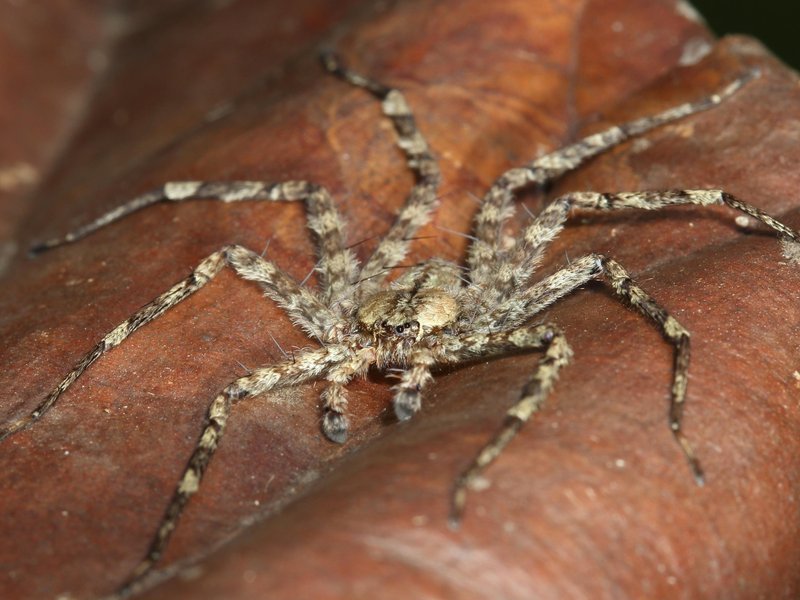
column 407, row 313
column 402, row 328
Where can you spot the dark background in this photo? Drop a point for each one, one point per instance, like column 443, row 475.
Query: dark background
column 775, row 22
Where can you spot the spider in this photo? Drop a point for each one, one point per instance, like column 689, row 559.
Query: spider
column 436, row 313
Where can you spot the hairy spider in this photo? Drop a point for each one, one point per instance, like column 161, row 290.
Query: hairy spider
column 436, row 313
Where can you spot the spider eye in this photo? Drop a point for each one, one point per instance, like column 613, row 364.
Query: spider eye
column 400, row 328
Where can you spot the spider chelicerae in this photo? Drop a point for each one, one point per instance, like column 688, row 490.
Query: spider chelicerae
column 435, row 313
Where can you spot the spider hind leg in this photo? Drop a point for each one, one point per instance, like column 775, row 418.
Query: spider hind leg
column 557, row 354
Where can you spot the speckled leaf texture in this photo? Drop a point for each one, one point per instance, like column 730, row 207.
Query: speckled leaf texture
column 592, row 500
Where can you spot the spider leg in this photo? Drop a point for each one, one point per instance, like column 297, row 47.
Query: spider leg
column 334, row 415
column 337, row 265
column 497, row 206
column 296, row 301
column 422, row 201
column 308, row 365
column 586, row 268
column 556, row 354
column 433, row 274
column 408, row 393
column 334, row 397
column 546, row 226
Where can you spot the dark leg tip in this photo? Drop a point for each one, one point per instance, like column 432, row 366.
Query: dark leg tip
column 406, row 404
column 334, row 426
column 36, row 249
column 699, row 476
column 457, row 507
column 330, row 61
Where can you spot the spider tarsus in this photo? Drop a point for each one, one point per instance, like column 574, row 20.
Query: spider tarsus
column 334, row 65
column 699, row 476
column 406, row 404
column 749, row 75
column 456, row 514
column 335, row 426
column 330, row 61
column 688, row 452
column 39, row 247
column 458, row 500
column 136, row 584
column 16, row 426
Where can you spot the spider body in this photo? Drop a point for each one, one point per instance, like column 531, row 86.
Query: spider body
column 435, row 313
column 408, row 314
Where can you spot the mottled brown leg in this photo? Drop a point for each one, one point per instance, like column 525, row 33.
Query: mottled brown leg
column 556, row 354
column 303, row 367
column 337, row 264
column 421, row 202
column 408, row 393
column 520, row 264
column 296, row 301
column 579, row 272
column 497, row 205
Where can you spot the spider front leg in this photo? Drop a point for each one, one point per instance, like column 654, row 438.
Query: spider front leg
column 408, row 393
column 496, row 207
column 421, row 202
column 536, row 237
column 334, row 398
column 337, row 265
column 556, row 354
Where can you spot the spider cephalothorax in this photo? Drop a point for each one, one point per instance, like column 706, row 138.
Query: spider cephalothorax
column 407, row 315
column 437, row 313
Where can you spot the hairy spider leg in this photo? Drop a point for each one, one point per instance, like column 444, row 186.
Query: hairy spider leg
column 548, row 224
column 434, row 273
column 497, row 207
column 302, row 367
column 408, row 393
column 338, row 266
column 421, row 201
column 556, row 354
column 280, row 287
column 545, row 292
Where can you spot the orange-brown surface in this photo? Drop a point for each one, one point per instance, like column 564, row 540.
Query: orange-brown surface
column 593, row 499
